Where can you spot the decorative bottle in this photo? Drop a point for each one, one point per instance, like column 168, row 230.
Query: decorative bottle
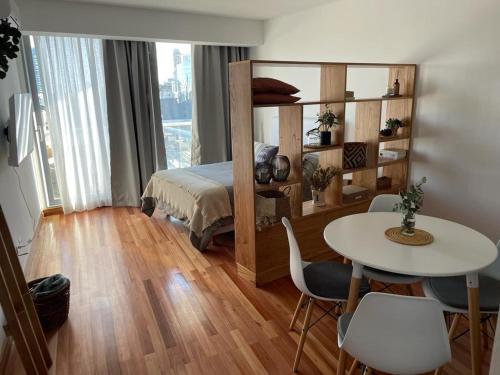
column 396, row 87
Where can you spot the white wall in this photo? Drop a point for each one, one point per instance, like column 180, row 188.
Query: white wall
column 457, row 115
column 21, row 222
column 68, row 17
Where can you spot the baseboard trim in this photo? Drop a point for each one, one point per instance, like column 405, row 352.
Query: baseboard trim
column 49, row 211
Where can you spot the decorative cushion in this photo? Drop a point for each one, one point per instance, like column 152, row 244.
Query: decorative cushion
column 331, row 280
column 272, row 98
column 452, row 291
column 354, row 155
column 263, row 153
column 268, row 85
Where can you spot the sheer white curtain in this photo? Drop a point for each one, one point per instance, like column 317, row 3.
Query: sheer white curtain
column 73, row 88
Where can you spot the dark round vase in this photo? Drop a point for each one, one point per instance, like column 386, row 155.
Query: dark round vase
column 325, row 138
column 281, row 168
column 263, row 173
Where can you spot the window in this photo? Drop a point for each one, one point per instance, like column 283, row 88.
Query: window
column 42, row 132
column 175, row 78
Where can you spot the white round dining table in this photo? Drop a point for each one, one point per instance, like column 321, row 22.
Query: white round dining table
column 456, row 250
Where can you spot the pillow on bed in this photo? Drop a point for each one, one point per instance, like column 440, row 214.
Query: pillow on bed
column 267, row 85
column 263, row 153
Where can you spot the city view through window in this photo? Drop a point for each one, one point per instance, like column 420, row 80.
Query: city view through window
column 175, row 78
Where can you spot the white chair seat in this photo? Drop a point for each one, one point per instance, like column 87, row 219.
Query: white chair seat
column 389, row 277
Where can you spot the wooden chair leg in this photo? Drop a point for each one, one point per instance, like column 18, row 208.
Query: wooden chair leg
column 484, row 331
column 297, row 311
column 353, row 368
column 305, row 328
column 454, row 326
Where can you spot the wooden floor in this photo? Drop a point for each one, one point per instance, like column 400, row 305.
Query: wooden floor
column 144, row 302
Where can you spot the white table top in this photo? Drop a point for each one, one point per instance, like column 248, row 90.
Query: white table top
column 456, row 250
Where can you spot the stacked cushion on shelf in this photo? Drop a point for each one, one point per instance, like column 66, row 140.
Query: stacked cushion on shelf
column 273, row 91
column 263, row 153
column 271, row 85
column 272, row 98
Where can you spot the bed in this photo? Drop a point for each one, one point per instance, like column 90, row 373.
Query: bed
column 202, row 196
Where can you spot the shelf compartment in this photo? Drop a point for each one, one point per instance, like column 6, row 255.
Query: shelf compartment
column 274, row 185
column 320, row 102
column 394, row 189
column 392, row 138
column 384, row 162
column 308, row 208
column 307, row 150
column 348, row 171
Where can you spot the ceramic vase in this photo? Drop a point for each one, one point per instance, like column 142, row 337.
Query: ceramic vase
column 318, row 198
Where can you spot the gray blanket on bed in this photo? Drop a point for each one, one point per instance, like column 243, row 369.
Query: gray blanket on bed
column 201, row 196
column 222, row 173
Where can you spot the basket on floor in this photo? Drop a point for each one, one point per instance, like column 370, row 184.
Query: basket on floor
column 52, row 309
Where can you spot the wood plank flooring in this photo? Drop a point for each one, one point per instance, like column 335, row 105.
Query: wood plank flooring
column 143, row 301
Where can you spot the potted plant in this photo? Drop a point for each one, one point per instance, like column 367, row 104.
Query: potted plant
column 411, row 202
column 320, row 179
column 10, row 37
column 392, row 124
column 327, row 120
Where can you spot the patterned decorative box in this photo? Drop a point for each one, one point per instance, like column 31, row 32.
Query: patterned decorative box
column 354, row 155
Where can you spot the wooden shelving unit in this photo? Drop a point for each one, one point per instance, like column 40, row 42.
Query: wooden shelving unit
column 263, row 255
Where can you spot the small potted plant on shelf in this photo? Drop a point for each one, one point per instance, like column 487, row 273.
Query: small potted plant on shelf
column 327, row 120
column 392, row 127
column 320, row 179
column 411, row 202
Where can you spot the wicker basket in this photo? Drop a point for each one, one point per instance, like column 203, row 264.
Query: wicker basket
column 52, row 309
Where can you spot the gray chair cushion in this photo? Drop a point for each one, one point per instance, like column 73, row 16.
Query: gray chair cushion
column 452, row 291
column 389, row 277
column 343, row 323
column 331, row 280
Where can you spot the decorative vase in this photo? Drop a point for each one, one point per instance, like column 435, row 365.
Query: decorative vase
column 400, row 131
column 263, row 173
column 318, row 198
column 408, row 224
column 325, row 138
column 281, row 167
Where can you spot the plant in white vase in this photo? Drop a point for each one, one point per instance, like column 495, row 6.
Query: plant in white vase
column 411, row 202
column 320, row 179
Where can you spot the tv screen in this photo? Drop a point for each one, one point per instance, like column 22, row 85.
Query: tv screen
column 20, row 128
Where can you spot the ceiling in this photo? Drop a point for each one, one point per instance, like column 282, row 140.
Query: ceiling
column 251, row 9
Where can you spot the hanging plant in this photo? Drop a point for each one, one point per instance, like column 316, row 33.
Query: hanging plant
column 10, row 37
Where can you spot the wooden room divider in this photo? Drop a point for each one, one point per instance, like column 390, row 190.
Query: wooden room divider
column 22, row 322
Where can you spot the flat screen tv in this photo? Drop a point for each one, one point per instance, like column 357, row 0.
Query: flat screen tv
column 21, row 129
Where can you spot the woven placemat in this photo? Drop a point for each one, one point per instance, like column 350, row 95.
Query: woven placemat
column 420, row 238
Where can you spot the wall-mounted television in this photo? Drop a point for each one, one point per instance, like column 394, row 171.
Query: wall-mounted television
column 20, row 131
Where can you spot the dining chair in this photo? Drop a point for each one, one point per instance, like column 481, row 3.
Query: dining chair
column 323, row 281
column 396, row 334
column 451, row 292
column 386, row 203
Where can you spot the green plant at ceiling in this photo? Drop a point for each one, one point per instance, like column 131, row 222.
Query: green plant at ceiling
column 10, row 37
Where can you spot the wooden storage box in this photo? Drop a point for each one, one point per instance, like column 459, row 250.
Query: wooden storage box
column 384, row 182
column 354, row 193
column 354, row 155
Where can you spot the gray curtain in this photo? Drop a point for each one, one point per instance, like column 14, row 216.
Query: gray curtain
column 137, row 147
column 211, row 125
